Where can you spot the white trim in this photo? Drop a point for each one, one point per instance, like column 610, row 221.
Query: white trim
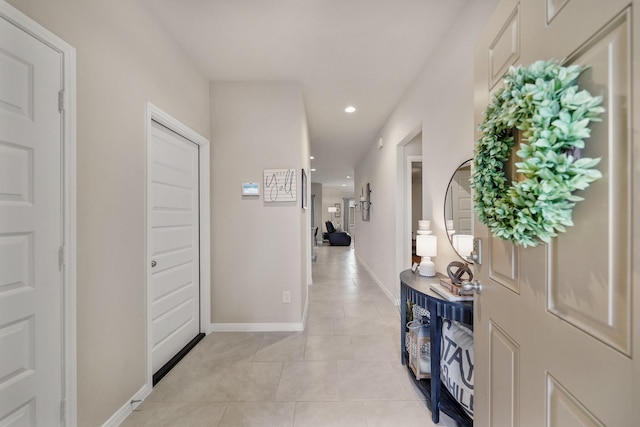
column 156, row 114
column 400, row 238
column 257, row 327
column 306, row 311
column 68, row 54
column 70, row 238
column 125, row 410
column 408, row 206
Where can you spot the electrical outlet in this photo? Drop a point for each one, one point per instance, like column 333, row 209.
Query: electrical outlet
column 286, row 297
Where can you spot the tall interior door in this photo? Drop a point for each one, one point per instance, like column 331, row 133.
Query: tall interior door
column 30, row 230
column 556, row 326
column 173, row 243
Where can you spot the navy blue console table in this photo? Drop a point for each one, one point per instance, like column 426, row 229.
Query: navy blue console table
column 415, row 288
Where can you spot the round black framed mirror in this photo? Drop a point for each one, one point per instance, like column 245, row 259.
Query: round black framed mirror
column 458, row 211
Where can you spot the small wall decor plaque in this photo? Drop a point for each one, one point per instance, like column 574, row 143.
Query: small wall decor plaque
column 279, row 185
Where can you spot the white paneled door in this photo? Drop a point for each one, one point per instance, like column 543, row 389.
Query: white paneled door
column 30, row 230
column 173, row 239
column 557, row 326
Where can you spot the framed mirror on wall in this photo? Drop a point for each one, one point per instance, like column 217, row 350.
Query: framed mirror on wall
column 458, row 211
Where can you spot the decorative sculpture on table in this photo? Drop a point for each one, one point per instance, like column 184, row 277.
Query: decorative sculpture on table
column 458, row 272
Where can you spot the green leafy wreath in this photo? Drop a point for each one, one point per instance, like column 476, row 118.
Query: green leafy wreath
column 543, row 102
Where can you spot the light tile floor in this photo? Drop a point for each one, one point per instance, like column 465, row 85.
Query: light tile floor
column 343, row 370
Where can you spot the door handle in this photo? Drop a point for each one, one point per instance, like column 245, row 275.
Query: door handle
column 471, row 287
column 153, row 263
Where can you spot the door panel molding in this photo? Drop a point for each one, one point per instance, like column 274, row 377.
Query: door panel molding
column 563, row 409
column 504, row 378
column 554, row 7
column 503, row 263
column 17, row 162
column 593, row 292
column 504, row 50
column 16, row 263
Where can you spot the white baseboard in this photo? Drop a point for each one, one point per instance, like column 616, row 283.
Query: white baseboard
column 384, row 289
column 126, row 409
column 262, row 327
column 208, row 328
column 306, row 310
column 257, row 327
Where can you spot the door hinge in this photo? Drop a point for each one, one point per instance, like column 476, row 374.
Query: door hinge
column 62, row 104
column 60, row 258
column 63, row 410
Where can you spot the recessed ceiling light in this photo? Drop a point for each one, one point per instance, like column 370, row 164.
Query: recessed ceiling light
column 311, row 157
column 313, row 170
column 350, row 109
column 348, row 176
column 344, row 185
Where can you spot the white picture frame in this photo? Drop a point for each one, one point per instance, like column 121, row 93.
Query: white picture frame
column 279, row 185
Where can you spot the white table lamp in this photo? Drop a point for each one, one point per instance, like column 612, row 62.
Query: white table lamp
column 427, row 247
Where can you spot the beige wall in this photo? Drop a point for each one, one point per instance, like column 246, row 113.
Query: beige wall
column 123, row 60
column 440, row 104
column 259, row 249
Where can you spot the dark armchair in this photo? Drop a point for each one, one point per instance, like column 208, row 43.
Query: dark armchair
column 336, row 238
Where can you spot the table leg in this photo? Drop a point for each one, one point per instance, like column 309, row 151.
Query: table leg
column 435, row 333
column 403, row 318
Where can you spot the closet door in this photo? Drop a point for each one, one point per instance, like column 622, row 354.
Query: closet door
column 173, row 239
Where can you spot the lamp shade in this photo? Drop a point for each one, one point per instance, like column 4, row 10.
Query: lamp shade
column 426, row 245
column 463, row 244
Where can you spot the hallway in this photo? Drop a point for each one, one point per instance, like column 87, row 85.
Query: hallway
column 343, row 370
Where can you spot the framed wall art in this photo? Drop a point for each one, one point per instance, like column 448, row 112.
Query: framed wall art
column 279, row 185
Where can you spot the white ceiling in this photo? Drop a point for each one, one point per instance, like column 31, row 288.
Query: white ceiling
column 364, row 53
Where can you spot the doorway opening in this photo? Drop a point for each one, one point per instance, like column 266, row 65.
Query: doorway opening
column 413, row 206
column 415, row 202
